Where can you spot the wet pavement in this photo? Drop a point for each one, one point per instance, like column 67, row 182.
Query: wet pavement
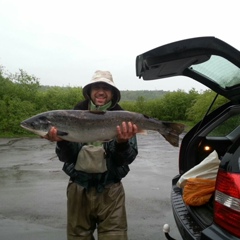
column 33, row 190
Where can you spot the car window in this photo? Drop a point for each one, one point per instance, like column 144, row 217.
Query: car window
column 219, row 70
column 228, row 127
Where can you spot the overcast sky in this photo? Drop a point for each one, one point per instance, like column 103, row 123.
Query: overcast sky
column 63, row 42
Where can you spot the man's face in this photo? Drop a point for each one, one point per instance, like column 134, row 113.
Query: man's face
column 101, row 93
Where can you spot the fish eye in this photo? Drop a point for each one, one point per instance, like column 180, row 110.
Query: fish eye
column 43, row 119
column 32, row 124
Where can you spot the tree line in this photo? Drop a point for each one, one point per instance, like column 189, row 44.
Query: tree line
column 22, row 96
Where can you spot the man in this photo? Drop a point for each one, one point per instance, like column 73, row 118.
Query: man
column 96, row 197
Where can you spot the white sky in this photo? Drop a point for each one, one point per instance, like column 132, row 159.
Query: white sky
column 63, row 42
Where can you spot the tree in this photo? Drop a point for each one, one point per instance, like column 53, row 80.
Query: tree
column 174, row 105
column 26, row 85
column 54, row 98
column 201, row 105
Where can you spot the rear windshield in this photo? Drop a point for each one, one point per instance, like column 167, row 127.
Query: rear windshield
column 219, row 70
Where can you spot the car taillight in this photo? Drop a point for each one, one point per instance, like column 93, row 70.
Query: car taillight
column 227, row 201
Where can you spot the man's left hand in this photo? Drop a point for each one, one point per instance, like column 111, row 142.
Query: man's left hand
column 126, row 131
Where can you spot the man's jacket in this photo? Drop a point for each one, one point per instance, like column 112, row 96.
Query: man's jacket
column 118, row 157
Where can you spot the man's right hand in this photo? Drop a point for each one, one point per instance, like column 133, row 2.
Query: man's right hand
column 52, row 135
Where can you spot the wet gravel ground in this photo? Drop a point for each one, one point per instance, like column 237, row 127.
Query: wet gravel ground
column 33, row 190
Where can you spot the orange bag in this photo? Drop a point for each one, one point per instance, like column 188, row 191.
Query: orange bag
column 206, row 169
column 198, row 191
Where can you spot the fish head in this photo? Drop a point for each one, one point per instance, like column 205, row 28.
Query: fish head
column 39, row 125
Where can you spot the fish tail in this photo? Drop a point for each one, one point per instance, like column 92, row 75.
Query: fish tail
column 173, row 130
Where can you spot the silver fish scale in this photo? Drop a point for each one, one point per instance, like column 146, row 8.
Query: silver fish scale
column 87, row 126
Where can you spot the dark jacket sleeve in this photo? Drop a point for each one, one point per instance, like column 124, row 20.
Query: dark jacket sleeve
column 68, row 151
column 123, row 153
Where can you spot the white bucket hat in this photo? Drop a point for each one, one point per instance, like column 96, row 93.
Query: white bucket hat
column 104, row 77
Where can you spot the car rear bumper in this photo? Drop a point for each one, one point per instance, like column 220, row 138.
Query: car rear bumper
column 188, row 227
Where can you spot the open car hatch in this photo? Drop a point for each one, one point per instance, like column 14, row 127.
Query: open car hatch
column 208, row 60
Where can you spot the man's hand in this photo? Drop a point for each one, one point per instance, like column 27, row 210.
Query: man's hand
column 126, row 131
column 52, row 135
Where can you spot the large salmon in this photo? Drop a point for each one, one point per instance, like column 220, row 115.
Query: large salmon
column 87, row 126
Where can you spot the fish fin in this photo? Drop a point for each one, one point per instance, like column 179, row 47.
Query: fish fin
column 97, row 111
column 61, row 133
column 172, row 136
column 173, row 140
